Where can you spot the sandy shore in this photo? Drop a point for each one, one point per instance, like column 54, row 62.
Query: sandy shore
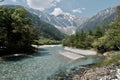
column 45, row 46
column 71, row 55
column 82, row 52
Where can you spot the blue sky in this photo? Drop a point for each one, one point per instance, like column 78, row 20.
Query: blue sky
column 74, row 7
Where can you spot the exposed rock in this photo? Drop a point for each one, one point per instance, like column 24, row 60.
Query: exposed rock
column 111, row 72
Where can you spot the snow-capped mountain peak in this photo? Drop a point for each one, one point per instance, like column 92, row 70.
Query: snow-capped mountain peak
column 102, row 17
column 62, row 20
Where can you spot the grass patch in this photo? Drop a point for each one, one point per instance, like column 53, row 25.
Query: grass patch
column 114, row 59
column 109, row 61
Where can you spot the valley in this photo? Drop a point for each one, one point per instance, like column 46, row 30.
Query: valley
column 38, row 44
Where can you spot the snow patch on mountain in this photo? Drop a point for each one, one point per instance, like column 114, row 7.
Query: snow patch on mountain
column 65, row 22
column 67, row 30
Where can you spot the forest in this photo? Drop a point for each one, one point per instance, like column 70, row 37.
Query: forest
column 19, row 29
column 105, row 38
column 16, row 31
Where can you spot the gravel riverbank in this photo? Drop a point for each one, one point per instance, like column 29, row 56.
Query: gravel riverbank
column 74, row 53
column 109, row 69
column 80, row 51
column 111, row 72
column 95, row 72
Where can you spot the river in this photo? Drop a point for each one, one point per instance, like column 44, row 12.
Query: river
column 39, row 66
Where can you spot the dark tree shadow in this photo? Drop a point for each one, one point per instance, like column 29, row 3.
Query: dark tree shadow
column 15, row 58
column 7, row 56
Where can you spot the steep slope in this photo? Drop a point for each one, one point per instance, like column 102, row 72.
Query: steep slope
column 65, row 22
column 46, row 30
column 102, row 17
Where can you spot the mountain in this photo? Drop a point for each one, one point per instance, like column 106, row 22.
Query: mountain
column 103, row 17
column 65, row 22
column 45, row 29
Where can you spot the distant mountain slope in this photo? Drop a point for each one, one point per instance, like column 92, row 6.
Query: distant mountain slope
column 65, row 22
column 46, row 30
column 102, row 17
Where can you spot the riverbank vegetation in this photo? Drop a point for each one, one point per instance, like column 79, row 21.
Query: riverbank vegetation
column 111, row 58
column 45, row 41
column 105, row 38
column 19, row 29
column 106, row 70
column 16, row 31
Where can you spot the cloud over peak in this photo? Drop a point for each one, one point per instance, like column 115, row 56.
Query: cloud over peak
column 78, row 10
column 42, row 4
column 57, row 11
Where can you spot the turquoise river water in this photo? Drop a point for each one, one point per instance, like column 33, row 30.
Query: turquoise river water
column 40, row 65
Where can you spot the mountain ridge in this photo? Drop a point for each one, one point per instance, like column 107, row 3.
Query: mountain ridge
column 103, row 17
column 61, row 21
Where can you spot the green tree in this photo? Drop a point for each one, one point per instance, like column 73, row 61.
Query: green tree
column 98, row 33
column 118, row 10
column 16, row 27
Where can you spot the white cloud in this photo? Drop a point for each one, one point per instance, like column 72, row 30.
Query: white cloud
column 83, row 8
column 42, row 4
column 57, row 11
column 78, row 10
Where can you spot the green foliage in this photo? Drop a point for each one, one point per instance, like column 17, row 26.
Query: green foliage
column 113, row 60
column 108, row 61
column 118, row 10
column 44, row 41
column 98, row 33
column 99, row 44
column 111, row 38
column 16, row 31
column 77, row 40
column 104, row 38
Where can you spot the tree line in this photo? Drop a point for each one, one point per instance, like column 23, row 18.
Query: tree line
column 105, row 38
